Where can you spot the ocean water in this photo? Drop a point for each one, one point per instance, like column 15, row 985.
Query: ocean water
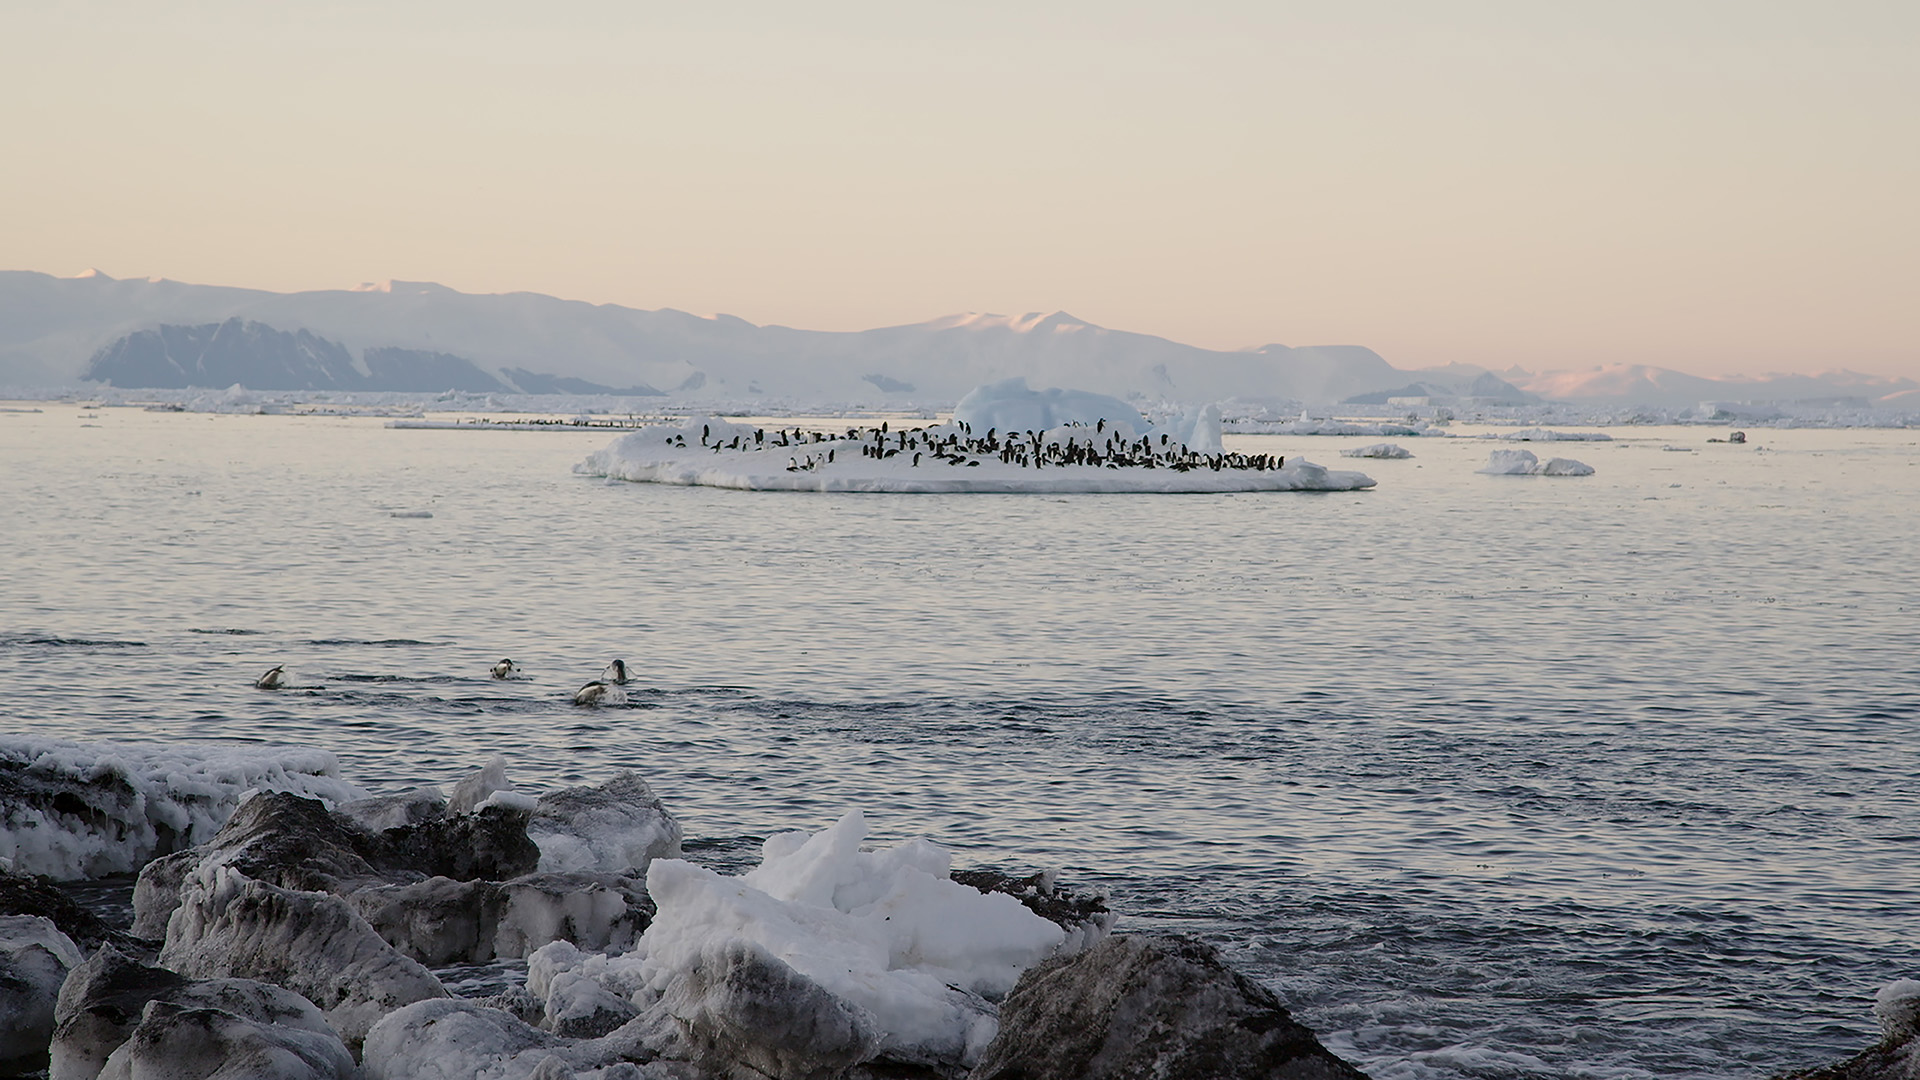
column 1613, row 776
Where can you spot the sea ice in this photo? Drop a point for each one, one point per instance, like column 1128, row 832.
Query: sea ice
column 1378, row 450
column 1524, row 463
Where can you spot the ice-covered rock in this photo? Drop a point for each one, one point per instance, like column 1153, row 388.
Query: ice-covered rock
column 741, row 1005
column 78, row 810
column 107, row 1003
column 1897, row 1007
column 452, row 1039
column 1385, row 450
column 313, row 943
column 299, row 844
column 1525, row 463
column 414, row 806
column 177, row 1041
column 477, row 787
column 34, row 960
column 619, row 826
column 1162, row 1007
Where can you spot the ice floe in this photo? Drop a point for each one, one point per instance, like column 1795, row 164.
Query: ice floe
column 1526, row 463
column 1385, row 450
column 1084, row 450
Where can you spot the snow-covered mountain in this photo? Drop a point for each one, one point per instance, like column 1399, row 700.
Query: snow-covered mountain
column 417, row 335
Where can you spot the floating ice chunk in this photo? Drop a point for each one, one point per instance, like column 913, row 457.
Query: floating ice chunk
column 34, row 960
column 1524, row 463
column 78, row 810
column 1378, row 450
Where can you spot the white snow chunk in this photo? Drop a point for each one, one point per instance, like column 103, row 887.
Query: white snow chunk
column 478, row 787
column 141, row 801
column 1524, row 463
column 885, row 932
column 1378, row 450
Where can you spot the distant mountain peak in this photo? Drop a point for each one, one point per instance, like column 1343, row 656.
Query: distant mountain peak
column 406, row 288
column 91, row 273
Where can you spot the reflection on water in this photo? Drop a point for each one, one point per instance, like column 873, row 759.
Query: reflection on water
column 1489, row 776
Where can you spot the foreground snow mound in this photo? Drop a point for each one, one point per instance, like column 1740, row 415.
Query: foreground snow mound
column 1524, row 463
column 1378, row 450
column 79, row 810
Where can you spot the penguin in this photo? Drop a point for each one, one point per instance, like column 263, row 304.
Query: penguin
column 616, row 673
column 274, row 679
column 597, row 693
column 505, row 669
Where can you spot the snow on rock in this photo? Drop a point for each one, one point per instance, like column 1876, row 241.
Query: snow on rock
column 79, row 810
column 619, row 826
column 109, row 1003
column 315, row 944
column 174, row 1041
column 1524, row 463
column 1378, row 450
column 1138, row 1006
column 34, row 960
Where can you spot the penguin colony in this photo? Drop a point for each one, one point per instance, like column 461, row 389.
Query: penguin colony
column 1029, row 449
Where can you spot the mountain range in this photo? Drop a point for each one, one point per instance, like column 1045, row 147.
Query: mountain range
column 426, row 337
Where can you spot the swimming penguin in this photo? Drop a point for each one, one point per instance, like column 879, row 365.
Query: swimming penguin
column 592, row 694
column 505, row 669
column 274, row 679
column 616, row 673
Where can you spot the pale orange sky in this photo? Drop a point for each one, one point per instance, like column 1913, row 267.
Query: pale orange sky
column 1714, row 186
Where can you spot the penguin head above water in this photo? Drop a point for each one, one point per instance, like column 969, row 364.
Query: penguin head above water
column 616, row 673
column 274, row 679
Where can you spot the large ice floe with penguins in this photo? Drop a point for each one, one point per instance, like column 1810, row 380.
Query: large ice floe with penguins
column 1003, row 437
column 287, row 924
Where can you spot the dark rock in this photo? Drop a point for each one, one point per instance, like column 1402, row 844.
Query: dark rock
column 491, row 843
column 24, row 895
column 1085, row 914
column 1136, row 1007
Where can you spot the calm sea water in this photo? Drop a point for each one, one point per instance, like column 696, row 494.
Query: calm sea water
column 1487, row 776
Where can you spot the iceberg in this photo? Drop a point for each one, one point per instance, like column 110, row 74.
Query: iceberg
column 1525, row 463
column 1004, row 438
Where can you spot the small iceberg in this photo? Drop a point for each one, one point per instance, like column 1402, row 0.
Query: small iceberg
column 1524, row 463
column 1378, row 450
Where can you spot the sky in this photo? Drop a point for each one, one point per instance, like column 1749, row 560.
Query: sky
column 1719, row 187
